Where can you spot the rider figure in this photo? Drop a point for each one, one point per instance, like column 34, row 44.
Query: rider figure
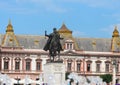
column 52, row 39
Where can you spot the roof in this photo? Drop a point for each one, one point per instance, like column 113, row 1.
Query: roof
column 86, row 44
column 38, row 42
column 64, row 29
column 94, row 44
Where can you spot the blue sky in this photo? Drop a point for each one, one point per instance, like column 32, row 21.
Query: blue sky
column 86, row 18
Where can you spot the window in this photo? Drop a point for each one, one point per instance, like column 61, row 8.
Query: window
column 97, row 67
column 69, row 44
column 69, row 66
column 38, row 67
column 88, row 67
column 117, row 67
column 17, row 65
column 107, row 66
column 6, row 63
column 38, row 64
column 28, row 64
column 78, row 67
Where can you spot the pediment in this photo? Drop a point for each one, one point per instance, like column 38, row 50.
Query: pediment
column 70, row 52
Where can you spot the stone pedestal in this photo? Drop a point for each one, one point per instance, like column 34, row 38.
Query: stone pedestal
column 54, row 73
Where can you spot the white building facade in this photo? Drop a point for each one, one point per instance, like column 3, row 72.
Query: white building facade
column 22, row 55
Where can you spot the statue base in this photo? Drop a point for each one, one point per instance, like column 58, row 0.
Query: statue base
column 54, row 73
column 55, row 61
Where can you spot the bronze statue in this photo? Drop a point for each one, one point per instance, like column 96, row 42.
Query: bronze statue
column 53, row 44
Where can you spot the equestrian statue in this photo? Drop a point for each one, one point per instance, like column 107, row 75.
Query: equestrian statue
column 53, row 44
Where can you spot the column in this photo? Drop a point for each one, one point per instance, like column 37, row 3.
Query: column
column 114, row 72
column 0, row 59
column 12, row 67
column 74, row 65
column 114, row 75
column 23, row 64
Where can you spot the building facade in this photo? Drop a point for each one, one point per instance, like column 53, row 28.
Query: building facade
column 22, row 55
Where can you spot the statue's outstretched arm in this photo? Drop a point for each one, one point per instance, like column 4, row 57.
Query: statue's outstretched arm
column 46, row 33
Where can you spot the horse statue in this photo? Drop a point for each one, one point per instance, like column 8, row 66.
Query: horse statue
column 53, row 44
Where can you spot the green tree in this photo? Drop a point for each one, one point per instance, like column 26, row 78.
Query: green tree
column 106, row 78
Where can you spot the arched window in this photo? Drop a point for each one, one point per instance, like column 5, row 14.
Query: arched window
column 69, row 65
column 28, row 64
column 98, row 63
column 69, row 45
column 107, row 66
column 88, row 63
column 6, row 63
column 78, row 65
column 38, row 64
column 17, row 63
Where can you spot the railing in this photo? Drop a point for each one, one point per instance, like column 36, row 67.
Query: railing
column 40, row 71
column 21, row 71
column 93, row 73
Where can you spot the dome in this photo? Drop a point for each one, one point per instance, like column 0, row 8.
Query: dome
column 9, row 27
column 115, row 32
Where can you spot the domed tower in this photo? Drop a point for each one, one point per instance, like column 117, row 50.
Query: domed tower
column 10, row 39
column 115, row 32
column 9, row 27
column 65, row 32
column 115, row 43
column 69, row 41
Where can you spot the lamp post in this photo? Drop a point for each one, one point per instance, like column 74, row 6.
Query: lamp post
column 1, row 79
column 18, row 79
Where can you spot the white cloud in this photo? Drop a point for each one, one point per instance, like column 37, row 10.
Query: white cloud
column 98, row 3
column 48, row 5
column 8, row 7
column 31, row 6
column 54, row 5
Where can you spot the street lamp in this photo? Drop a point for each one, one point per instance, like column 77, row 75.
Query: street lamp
column 1, row 79
column 18, row 79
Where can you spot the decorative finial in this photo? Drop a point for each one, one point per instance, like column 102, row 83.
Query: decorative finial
column 115, row 32
column 116, row 27
column 9, row 27
column 63, row 23
column 9, row 21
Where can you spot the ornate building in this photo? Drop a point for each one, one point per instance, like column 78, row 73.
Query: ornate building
column 22, row 55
